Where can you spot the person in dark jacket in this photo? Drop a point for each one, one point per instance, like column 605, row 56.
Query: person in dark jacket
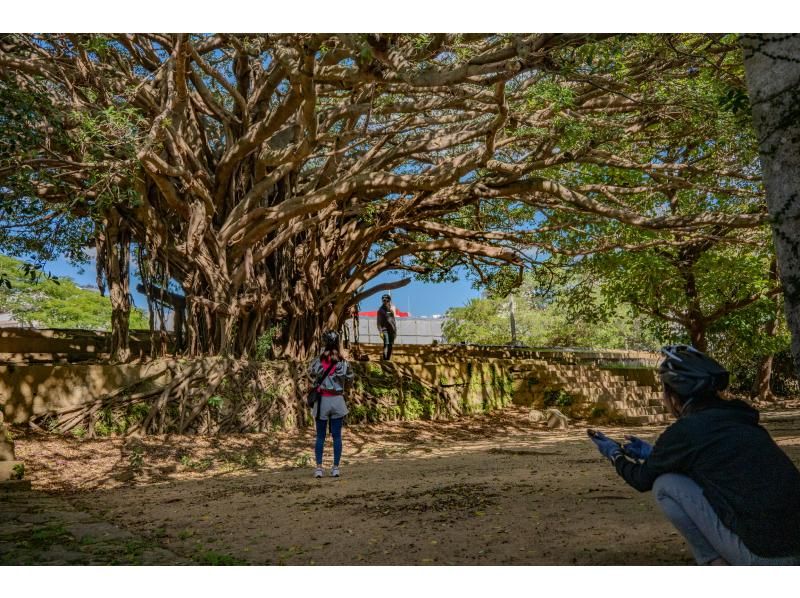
column 387, row 326
column 717, row 475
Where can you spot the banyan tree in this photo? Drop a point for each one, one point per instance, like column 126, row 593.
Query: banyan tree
column 266, row 180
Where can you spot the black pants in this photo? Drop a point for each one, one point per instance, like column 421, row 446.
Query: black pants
column 388, row 341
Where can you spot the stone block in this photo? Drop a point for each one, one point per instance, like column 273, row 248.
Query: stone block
column 7, row 471
column 556, row 419
column 6, row 445
column 15, row 486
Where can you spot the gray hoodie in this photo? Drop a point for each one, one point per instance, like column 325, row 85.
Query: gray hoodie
column 335, row 381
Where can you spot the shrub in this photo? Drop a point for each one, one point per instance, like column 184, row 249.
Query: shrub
column 558, row 398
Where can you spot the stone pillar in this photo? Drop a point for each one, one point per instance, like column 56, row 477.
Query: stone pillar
column 11, row 470
column 6, row 444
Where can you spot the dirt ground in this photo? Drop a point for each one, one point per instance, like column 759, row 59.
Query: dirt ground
column 486, row 490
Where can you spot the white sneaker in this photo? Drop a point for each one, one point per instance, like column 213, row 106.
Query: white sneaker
column 318, row 472
column 335, row 472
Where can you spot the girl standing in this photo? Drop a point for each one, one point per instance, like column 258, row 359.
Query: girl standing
column 330, row 410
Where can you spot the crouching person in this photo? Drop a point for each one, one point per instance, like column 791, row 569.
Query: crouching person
column 331, row 373
column 716, row 474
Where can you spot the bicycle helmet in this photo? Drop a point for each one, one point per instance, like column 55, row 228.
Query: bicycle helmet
column 691, row 374
column 330, row 340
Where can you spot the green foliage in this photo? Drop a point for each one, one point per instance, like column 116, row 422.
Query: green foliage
column 54, row 533
column 665, row 286
column 381, row 395
column 136, row 458
column 31, row 227
column 19, row 471
column 210, row 557
column 598, row 411
column 417, row 402
column 480, row 322
column 113, row 422
column 549, row 93
column 369, row 213
column 269, row 395
column 265, row 342
column 216, row 401
column 201, row 465
column 48, row 302
column 548, row 321
column 302, row 461
column 597, row 117
column 558, row 398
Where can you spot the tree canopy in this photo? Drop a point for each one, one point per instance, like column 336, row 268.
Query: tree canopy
column 274, row 176
column 548, row 321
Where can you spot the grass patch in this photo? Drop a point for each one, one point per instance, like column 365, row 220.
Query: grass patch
column 201, row 465
column 49, row 535
column 302, row 460
column 215, row 559
column 136, row 458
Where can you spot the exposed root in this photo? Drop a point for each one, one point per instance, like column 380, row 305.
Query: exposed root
column 202, row 396
column 217, row 395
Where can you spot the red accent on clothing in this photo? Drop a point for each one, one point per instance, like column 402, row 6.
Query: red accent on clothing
column 325, row 363
column 374, row 314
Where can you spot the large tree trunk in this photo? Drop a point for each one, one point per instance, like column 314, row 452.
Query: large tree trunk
column 116, row 255
column 233, row 302
column 762, row 390
column 696, row 323
column 772, row 65
column 761, row 387
column 697, row 334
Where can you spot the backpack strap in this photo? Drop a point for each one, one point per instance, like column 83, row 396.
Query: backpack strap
column 324, row 375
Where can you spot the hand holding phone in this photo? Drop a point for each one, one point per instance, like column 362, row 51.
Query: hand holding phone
column 598, row 435
column 608, row 447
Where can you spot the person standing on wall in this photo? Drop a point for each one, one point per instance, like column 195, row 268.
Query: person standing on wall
column 387, row 325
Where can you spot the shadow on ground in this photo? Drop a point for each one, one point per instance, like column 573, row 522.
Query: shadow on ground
column 494, row 489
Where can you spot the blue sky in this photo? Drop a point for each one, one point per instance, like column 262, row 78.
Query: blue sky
column 421, row 299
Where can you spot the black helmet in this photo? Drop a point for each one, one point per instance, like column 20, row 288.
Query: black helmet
column 690, row 373
column 330, row 339
column 385, row 297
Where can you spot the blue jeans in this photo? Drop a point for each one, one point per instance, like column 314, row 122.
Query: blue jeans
column 336, row 432
column 689, row 511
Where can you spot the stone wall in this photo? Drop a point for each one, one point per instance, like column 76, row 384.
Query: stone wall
column 30, row 390
column 33, row 345
column 616, row 385
column 441, row 380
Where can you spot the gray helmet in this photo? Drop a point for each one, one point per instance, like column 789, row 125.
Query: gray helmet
column 691, row 374
column 330, row 339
